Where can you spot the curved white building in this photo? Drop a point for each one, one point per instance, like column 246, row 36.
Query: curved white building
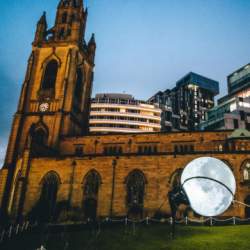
column 116, row 113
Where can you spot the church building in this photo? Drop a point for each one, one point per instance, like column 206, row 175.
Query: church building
column 56, row 170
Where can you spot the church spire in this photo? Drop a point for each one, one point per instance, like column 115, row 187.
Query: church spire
column 92, row 48
column 42, row 19
column 41, row 29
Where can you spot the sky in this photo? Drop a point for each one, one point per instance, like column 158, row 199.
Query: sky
column 143, row 46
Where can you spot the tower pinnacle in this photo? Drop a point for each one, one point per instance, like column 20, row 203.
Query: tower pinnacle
column 41, row 29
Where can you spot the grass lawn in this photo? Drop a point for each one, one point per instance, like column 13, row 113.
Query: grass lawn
column 152, row 237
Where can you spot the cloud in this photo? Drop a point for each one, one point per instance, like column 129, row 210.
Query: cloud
column 3, row 147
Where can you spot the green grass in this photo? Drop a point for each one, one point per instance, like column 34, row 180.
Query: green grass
column 152, row 237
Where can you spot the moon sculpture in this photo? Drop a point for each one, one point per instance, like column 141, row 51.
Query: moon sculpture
column 209, row 185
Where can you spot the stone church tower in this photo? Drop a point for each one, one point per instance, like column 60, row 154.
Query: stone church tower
column 55, row 96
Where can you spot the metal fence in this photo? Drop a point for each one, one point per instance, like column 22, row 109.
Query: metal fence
column 13, row 230
column 27, row 227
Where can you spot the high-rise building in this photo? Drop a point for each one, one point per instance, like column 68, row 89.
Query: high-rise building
column 233, row 113
column 238, row 82
column 184, row 107
column 163, row 100
column 233, row 110
column 113, row 113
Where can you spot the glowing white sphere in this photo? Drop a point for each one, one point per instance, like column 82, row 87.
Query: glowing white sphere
column 212, row 195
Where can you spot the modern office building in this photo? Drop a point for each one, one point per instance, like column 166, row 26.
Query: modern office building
column 122, row 113
column 184, row 107
column 239, row 80
column 163, row 100
column 231, row 114
column 233, row 110
column 238, row 84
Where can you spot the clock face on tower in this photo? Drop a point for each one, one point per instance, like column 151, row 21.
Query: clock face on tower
column 44, row 107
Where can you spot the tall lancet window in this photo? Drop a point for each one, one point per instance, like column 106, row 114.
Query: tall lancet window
column 48, row 197
column 49, row 77
column 135, row 183
column 246, row 171
column 79, row 86
column 91, row 187
column 64, row 17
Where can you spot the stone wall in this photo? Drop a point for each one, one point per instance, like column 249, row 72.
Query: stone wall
column 157, row 170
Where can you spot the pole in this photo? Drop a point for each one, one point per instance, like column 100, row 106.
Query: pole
column 113, row 188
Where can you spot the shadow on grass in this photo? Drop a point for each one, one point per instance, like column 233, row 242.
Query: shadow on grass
column 134, row 237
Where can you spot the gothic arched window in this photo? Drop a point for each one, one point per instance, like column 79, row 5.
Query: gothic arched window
column 175, row 179
column 50, row 185
column 135, row 189
column 246, row 171
column 91, row 185
column 220, row 147
column 50, row 73
column 39, row 137
column 64, row 17
column 72, row 18
column 90, row 194
column 79, row 85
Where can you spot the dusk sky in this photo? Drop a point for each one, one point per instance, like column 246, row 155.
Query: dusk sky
column 143, row 46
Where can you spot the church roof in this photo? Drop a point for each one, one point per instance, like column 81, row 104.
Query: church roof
column 240, row 133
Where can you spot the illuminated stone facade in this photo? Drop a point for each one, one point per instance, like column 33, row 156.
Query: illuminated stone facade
column 55, row 170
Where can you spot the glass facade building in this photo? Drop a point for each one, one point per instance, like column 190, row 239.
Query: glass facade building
column 239, row 80
column 231, row 114
column 185, row 106
column 233, row 110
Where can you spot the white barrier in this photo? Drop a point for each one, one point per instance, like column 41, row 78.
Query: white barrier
column 18, row 229
column 14, row 230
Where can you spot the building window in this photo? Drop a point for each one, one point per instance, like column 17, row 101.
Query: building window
column 48, row 197
column 69, row 32
column 147, row 149
column 220, row 147
column 79, row 150
column 91, row 185
column 184, row 149
column 50, row 73
column 39, row 137
column 79, row 86
column 112, row 150
column 246, row 171
column 91, row 188
column 236, row 123
column 61, row 33
column 135, row 183
column 175, row 179
column 73, row 18
column 64, row 17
